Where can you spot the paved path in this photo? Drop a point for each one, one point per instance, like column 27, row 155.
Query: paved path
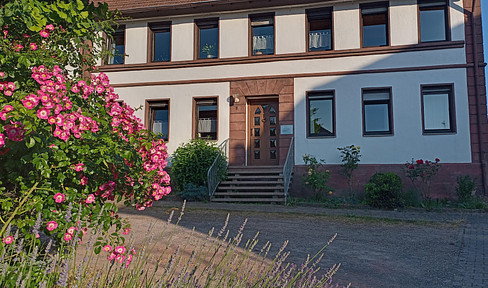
column 473, row 254
column 412, row 248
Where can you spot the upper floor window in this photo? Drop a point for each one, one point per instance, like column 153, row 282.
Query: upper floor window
column 377, row 118
column 374, row 24
column 208, row 38
column 321, row 114
column 433, row 20
column 205, row 118
column 438, row 109
column 319, row 29
column 262, row 35
column 161, row 41
column 117, row 46
column 158, row 117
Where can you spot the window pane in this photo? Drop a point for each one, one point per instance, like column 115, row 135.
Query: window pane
column 320, row 30
column 321, row 116
column 162, row 46
column 374, row 26
column 262, row 40
column 376, row 118
column 436, row 111
column 272, row 131
column 159, row 118
column 272, row 154
column 432, row 24
column 117, row 47
column 257, row 121
column 207, row 118
column 209, row 42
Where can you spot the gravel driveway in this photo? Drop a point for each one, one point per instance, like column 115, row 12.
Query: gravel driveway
column 375, row 248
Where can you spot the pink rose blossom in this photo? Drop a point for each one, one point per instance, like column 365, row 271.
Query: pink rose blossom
column 7, row 240
column 44, row 33
column 84, row 181
column 33, row 46
column 2, row 140
column 90, row 199
column 71, row 230
column 107, row 248
column 59, row 197
column 79, row 167
column 51, row 225
column 2, row 74
column 50, row 27
column 126, row 231
column 67, row 237
column 18, row 47
column 119, row 250
column 43, row 113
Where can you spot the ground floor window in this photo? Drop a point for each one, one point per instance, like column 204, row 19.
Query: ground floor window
column 158, row 118
column 377, row 112
column 321, row 114
column 438, row 109
column 205, row 118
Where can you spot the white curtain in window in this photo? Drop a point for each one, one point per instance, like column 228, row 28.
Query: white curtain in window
column 262, row 42
column 436, row 111
column 160, row 127
column 319, row 39
column 207, row 125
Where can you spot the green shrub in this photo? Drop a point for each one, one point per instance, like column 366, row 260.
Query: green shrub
column 384, row 190
column 193, row 192
column 315, row 177
column 191, row 162
column 465, row 188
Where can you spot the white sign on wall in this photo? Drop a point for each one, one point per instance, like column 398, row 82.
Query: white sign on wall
column 286, row 129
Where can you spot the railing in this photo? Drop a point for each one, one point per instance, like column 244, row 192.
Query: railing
column 213, row 179
column 288, row 168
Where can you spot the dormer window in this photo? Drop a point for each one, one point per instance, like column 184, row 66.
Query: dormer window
column 262, row 35
column 116, row 46
column 160, row 42
column 374, row 24
column 207, row 39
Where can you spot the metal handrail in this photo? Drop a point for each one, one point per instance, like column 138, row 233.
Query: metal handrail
column 213, row 180
column 288, row 168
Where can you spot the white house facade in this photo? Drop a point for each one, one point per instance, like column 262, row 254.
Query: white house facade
column 401, row 79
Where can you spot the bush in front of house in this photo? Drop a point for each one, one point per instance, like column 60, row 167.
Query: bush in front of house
column 191, row 162
column 384, row 190
column 465, row 187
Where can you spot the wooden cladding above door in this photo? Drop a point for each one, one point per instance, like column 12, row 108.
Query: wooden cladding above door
column 277, row 90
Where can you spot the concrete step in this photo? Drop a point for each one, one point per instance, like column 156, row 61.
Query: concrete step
column 267, row 200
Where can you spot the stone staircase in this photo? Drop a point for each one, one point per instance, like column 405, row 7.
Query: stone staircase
column 252, row 184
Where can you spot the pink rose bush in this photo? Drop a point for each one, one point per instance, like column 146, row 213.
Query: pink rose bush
column 68, row 148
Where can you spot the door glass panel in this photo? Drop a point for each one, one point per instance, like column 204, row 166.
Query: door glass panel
column 272, row 154
column 258, row 111
column 257, row 155
column 257, row 132
column 272, row 110
column 257, row 143
column 272, row 120
column 265, row 106
column 272, row 131
column 272, row 143
column 257, row 120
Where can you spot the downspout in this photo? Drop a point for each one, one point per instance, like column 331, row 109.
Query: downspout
column 477, row 93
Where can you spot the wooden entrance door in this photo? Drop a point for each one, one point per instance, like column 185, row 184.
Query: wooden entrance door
column 263, row 132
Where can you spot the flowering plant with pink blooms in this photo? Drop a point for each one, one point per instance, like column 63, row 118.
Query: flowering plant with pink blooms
column 68, row 148
column 420, row 172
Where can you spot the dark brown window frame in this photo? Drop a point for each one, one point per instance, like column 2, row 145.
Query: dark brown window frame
column 388, row 28
column 452, row 109
column 198, row 23
column 109, row 42
column 250, row 33
column 326, row 94
column 329, row 10
column 447, row 21
column 389, row 102
column 148, row 113
column 194, row 116
column 150, row 41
